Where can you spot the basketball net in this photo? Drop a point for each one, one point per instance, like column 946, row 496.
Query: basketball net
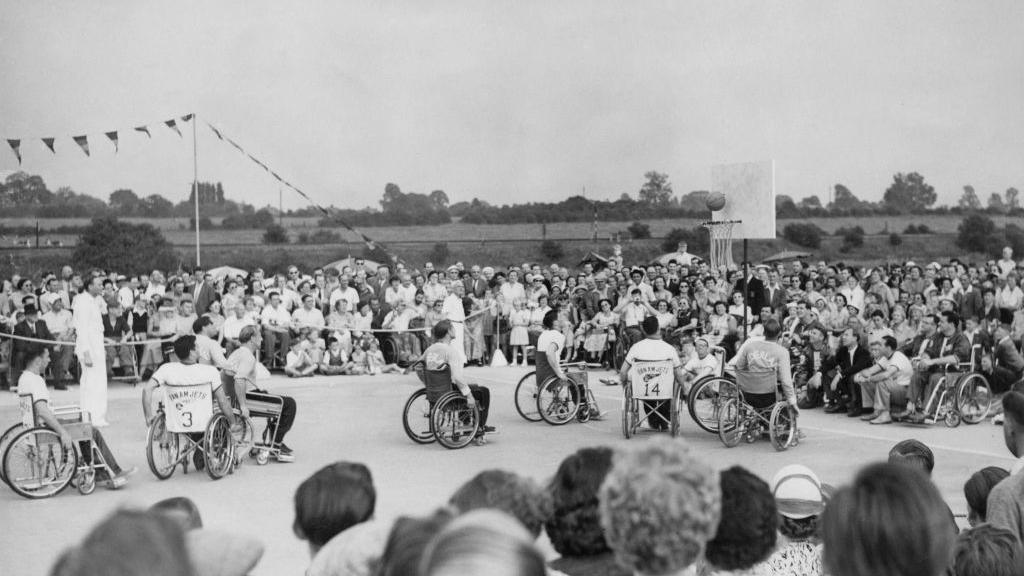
column 721, row 243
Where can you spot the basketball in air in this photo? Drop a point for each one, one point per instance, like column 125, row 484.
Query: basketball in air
column 715, row 201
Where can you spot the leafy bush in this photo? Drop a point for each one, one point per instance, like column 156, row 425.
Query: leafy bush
column 803, row 234
column 853, row 237
column 976, row 232
column 639, row 230
column 204, row 223
column 847, row 230
column 552, row 250
column 108, row 243
column 439, row 254
column 320, row 237
column 895, row 240
column 917, row 229
column 275, row 234
column 697, row 240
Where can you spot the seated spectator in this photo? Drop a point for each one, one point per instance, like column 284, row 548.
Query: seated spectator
column 483, row 542
column 129, row 543
column 659, row 507
column 375, row 362
column 748, row 526
column 510, row 493
column 801, row 498
column 180, row 509
column 335, row 361
column 891, row 521
column 407, row 541
column 977, row 489
column 332, row 500
column 987, row 550
column 917, row 454
column 299, row 363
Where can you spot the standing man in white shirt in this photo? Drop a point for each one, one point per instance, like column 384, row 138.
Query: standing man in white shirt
column 88, row 323
column 456, row 314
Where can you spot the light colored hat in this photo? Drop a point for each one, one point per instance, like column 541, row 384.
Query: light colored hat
column 216, row 553
column 799, row 492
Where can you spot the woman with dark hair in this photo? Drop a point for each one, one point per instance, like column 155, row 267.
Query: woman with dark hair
column 574, row 526
column 332, row 500
column 549, row 349
column 976, row 491
column 890, row 522
column 409, row 537
column 515, row 495
column 748, row 528
column 129, row 543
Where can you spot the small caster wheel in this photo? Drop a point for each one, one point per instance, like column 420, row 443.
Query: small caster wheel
column 262, row 458
column 87, row 482
column 584, row 413
column 952, row 419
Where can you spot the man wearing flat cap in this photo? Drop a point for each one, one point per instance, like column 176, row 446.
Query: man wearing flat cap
column 31, row 327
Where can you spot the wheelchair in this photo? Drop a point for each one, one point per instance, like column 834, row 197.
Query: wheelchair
column 439, row 412
column 269, row 407
column 704, row 402
column 558, row 402
column 36, row 465
column 739, row 421
column 960, row 395
column 651, row 385
column 186, row 428
column 628, row 335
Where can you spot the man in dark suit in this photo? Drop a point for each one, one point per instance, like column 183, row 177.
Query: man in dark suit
column 850, row 358
column 756, row 295
column 381, row 280
column 202, row 292
column 474, row 283
column 775, row 294
column 1008, row 364
column 971, row 303
column 31, row 327
column 989, row 310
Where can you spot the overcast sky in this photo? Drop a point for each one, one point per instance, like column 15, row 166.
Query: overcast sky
column 516, row 101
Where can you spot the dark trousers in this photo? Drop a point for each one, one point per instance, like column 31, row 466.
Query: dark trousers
column 661, row 407
column 1000, row 379
column 287, row 417
column 760, row 401
column 271, row 339
column 482, row 395
column 847, row 392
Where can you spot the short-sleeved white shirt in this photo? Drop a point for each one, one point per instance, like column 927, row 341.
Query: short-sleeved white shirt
column 549, row 337
column 702, row 367
column 32, row 383
column 653, row 350
column 904, row 369
column 178, row 374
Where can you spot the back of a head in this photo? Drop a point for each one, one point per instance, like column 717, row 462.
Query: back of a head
column 659, row 507
column 483, row 543
column 180, row 509
column 184, row 346
column 891, row 521
column 749, row 523
column 650, row 325
column 407, row 541
column 978, row 487
column 520, row 497
column 772, row 329
column 574, row 527
column 989, row 551
column 332, row 500
column 129, row 543
column 913, row 453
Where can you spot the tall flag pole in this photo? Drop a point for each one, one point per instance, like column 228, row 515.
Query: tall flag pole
column 195, row 183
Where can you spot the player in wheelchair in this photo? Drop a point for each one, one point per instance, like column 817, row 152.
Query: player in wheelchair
column 186, row 425
column 763, row 371
column 447, row 409
column 53, row 447
column 944, row 361
column 652, row 380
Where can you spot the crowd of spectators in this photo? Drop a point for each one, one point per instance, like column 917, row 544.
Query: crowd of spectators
column 653, row 509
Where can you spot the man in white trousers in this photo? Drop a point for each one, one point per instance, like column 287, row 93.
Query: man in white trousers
column 88, row 322
column 454, row 311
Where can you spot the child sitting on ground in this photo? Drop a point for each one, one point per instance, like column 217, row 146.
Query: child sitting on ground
column 298, row 363
column 375, row 360
column 335, row 361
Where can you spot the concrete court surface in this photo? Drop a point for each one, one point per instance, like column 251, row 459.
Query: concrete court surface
column 359, row 418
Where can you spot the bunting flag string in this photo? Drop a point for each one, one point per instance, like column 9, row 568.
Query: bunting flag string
column 370, row 243
column 83, row 140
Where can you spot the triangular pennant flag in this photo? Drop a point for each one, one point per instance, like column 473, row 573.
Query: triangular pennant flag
column 186, row 117
column 143, row 129
column 173, row 126
column 16, row 147
column 498, row 360
column 83, row 142
column 49, row 144
column 113, row 138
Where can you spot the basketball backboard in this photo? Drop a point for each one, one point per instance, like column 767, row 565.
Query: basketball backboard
column 749, row 189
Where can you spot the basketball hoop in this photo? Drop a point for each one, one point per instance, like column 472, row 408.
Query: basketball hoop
column 721, row 242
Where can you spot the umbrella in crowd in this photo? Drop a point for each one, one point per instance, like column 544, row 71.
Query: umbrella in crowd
column 228, row 272
column 786, row 255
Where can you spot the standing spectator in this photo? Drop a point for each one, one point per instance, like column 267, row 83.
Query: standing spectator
column 88, row 323
column 1006, row 263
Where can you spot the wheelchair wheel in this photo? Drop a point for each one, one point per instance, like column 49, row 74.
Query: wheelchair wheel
column 86, row 482
column 526, row 397
column 558, row 401
column 706, row 400
column 630, row 413
column 732, row 422
column 416, row 418
column 952, row 419
column 5, row 440
column 36, row 465
column 782, row 427
column 218, row 447
column 454, row 421
column 390, row 349
column 162, row 449
column 619, row 354
column 973, row 398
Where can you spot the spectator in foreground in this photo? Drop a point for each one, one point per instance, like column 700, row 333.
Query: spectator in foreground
column 916, row 454
column 180, row 509
column 801, row 498
column 987, row 550
column 1006, row 501
column 332, row 500
column 977, row 490
column 409, row 537
column 574, row 527
column 890, row 522
column 483, row 542
column 507, row 492
column 659, row 507
column 748, row 527
column 129, row 543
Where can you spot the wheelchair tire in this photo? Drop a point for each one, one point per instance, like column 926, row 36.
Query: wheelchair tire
column 973, row 398
column 416, row 418
column 87, row 482
column 32, row 452
column 5, row 440
column 454, row 421
column 782, row 427
column 706, row 399
column 732, row 422
column 218, row 447
column 630, row 413
column 163, row 449
column 555, row 405
column 952, row 419
column 390, row 349
column 526, row 397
